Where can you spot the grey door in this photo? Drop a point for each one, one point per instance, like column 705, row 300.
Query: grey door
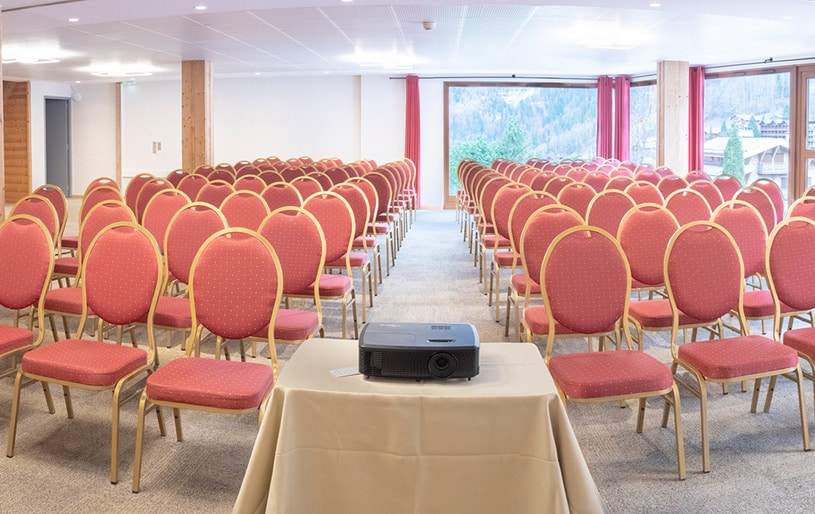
column 58, row 143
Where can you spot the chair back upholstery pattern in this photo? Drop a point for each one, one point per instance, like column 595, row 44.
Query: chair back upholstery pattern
column 160, row 210
column 235, row 284
column 607, row 209
column 358, row 202
column 804, row 207
column 215, row 192
column 789, row 263
column 95, row 196
column 538, row 233
column 186, row 232
column 191, row 184
column 245, row 209
column 122, row 257
column 745, row 224
column 709, row 191
column 522, row 210
column 644, row 192
column 502, row 205
column 644, row 234
column 585, row 280
column 26, row 261
column 759, row 199
column 281, row 194
column 148, row 191
column 300, row 245
column 56, row 196
column 597, row 180
column 728, row 186
column 773, row 190
column 704, row 274
column 250, row 183
column 103, row 214
column 134, row 188
column 337, row 221
column 40, row 208
column 578, row 196
column 688, row 205
column 671, row 183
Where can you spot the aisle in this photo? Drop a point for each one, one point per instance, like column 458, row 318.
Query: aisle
column 434, row 280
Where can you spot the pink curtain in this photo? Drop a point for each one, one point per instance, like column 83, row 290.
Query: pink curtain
column 605, row 113
column 622, row 121
column 696, row 118
column 412, row 132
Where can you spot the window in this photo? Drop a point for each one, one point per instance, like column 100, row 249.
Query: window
column 747, row 127
column 643, row 120
column 518, row 122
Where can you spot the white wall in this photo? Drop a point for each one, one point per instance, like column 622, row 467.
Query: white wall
column 93, row 119
column 39, row 91
column 347, row 117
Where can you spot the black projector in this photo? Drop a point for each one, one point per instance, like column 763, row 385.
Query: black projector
column 418, row 350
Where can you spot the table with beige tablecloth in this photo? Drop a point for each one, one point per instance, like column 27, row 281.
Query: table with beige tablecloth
column 499, row 443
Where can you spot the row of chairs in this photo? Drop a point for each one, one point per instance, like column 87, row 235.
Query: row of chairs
column 235, row 291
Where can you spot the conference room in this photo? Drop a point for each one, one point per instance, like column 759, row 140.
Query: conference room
column 361, row 80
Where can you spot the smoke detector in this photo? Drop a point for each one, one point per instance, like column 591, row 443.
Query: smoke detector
column 429, row 25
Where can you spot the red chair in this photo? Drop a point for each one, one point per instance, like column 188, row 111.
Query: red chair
column 214, row 193
column 160, row 210
column 175, row 176
column 94, row 196
column 306, row 185
column 696, row 175
column 758, row 198
column 671, row 183
column 728, row 186
column 133, row 188
column 300, row 245
column 607, row 209
column 773, row 190
column 245, row 209
column 271, row 177
column 40, row 208
column 648, row 176
column 191, row 185
column 619, row 182
column 643, row 235
column 235, row 289
column 709, row 190
column 597, row 180
column 337, row 221
column 539, row 231
column 147, row 191
column 578, row 196
column 586, row 283
column 26, row 262
column 706, row 294
column 247, row 170
column 67, row 301
column 688, row 205
column 484, row 235
column 644, row 192
column 322, row 179
column 250, row 183
column 369, row 242
column 554, row 185
column 523, row 208
column 804, row 207
column 56, row 196
column 204, row 170
column 281, row 194
column 122, row 257
column 793, row 285
column 222, row 174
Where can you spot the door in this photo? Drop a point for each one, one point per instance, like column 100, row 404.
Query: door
column 58, row 143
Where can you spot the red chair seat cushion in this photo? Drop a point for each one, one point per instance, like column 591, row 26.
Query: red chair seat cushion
column 81, row 361
column 381, row 228
column 519, row 284
column 758, row 303
column 367, row 242
column 70, row 241
column 64, row 299
column 213, row 383
column 12, row 338
column 488, row 240
column 612, row 373
column 538, row 322
column 656, row 314
column 292, row 325
column 737, row 356
column 801, row 339
column 171, row 311
column 357, row 260
column 506, row 259
column 334, row 285
column 66, row 265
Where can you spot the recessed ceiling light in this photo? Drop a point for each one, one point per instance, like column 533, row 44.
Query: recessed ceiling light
column 200, row 7
column 73, row 20
column 655, row 4
column 346, row 1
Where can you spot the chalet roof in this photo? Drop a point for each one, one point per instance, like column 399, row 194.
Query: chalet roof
column 752, row 146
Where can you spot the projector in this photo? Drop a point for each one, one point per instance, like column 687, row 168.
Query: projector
column 418, row 350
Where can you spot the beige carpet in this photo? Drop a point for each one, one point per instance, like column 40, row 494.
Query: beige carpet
column 757, row 461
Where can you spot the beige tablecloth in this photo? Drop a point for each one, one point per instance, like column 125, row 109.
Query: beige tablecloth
column 500, row 443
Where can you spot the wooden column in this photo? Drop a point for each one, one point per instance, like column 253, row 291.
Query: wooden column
column 672, row 115
column 196, row 114
column 3, row 141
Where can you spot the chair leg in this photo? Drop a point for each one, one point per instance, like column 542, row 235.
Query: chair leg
column 640, row 415
column 69, row 406
column 114, row 436
column 15, row 407
column 802, row 408
column 680, row 440
column 179, row 435
column 139, row 442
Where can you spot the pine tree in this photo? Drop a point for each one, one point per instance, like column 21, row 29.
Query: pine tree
column 753, row 125
column 733, row 157
column 723, row 130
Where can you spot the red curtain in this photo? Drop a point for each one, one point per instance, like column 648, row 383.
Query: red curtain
column 696, row 118
column 412, row 129
column 622, row 120
column 605, row 113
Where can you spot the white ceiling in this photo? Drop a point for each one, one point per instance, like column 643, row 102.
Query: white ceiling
column 494, row 39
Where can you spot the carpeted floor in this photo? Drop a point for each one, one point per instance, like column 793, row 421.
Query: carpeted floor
column 758, row 464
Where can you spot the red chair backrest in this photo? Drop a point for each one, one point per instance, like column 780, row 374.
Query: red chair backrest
column 745, row 224
column 789, row 271
column 644, row 234
column 540, row 230
column 192, row 184
column 337, row 221
column 644, row 192
column 186, row 232
column 245, row 209
column 281, row 194
column 709, row 191
column 688, row 205
column 607, row 209
column 147, row 191
column 134, row 187
column 214, row 193
column 40, row 208
column 578, row 196
column 298, row 239
column 100, row 216
column 56, row 196
column 250, row 183
column 160, row 210
column 26, row 261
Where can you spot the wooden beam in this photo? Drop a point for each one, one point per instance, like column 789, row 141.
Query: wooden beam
column 672, row 115
column 196, row 113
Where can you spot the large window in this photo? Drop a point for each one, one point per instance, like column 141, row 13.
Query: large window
column 747, row 127
column 518, row 122
column 643, row 120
